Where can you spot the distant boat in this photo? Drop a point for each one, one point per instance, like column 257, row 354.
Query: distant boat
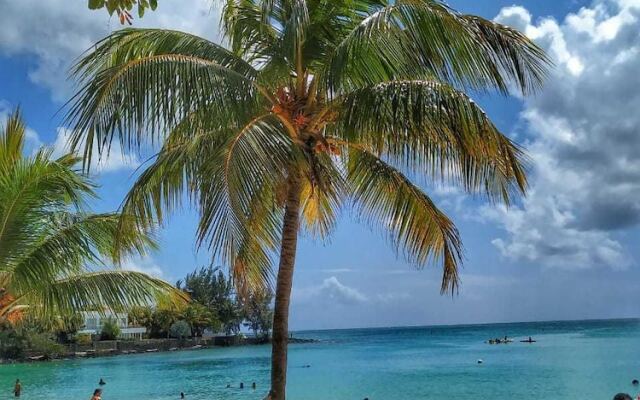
column 152, row 350
column 528, row 341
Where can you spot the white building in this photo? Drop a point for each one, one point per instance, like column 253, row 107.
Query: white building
column 93, row 321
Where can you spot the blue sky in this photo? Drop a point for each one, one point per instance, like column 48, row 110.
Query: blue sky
column 568, row 251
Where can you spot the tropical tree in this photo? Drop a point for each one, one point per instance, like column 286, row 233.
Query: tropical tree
column 316, row 105
column 110, row 329
column 210, row 287
column 52, row 250
column 200, row 317
column 180, row 330
column 258, row 314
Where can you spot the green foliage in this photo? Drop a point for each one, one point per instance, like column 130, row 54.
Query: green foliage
column 258, row 313
column 180, row 330
column 44, row 344
column 84, row 339
column 48, row 238
column 110, row 329
column 123, row 7
column 15, row 341
column 141, row 316
column 12, row 343
column 200, row 317
column 209, row 287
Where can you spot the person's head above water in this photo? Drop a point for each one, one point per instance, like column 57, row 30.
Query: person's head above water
column 97, row 392
column 635, row 382
column 622, row 396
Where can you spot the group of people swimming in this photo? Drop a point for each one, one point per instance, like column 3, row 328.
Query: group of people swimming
column 507, row 340
column 253, row 385
column 626, row 396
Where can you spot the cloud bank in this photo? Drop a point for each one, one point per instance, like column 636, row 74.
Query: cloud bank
column 585, row 125
column 54, row 33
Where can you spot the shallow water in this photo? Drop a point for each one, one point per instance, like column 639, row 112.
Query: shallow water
column 571, row 360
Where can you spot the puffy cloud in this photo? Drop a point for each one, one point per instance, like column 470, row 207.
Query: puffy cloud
column 115, row 160
column 145, row 265
column 585, row 130
column 331, row 290
column 56, row 32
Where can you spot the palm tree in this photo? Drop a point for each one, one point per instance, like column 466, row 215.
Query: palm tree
column 317, row 106
column 48, row 241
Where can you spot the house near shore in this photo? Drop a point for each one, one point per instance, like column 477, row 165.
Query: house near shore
column 94, row 320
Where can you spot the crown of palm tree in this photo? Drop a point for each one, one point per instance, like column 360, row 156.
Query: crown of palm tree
column 345, row 94
column 48, row 240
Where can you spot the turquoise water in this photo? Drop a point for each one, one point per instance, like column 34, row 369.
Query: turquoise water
column 571, row 360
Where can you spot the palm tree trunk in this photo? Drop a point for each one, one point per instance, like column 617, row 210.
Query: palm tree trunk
column 283, row 290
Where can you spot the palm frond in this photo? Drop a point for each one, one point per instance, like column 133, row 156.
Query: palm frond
column 48, row 239
column 115, row 290
column 437, row 131
column 12, row 136
column 128, row 98
column 425, row 38
column 417, row 228
column 69, row 243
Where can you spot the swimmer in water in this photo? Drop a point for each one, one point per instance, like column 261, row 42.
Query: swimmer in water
column 97, row 394
column 253, row 385
column 102, row 382
column 17, row 389
column 182, row 395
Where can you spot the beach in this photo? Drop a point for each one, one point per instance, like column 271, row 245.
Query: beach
column 570, row 361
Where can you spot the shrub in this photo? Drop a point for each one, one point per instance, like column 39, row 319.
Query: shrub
column 12, row 344
column 110, row 329
column 84, row 339
column 44, row 344
column 180, row 330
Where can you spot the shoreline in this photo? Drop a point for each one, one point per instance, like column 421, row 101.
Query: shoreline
column 146, row 347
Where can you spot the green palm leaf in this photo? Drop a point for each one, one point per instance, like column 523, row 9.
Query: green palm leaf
column 431, row 128
column 50, row 246
column 416, row 227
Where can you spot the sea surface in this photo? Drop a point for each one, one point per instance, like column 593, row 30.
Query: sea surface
column 569, row 361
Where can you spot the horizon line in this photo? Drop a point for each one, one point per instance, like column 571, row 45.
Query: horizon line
column 470, row 324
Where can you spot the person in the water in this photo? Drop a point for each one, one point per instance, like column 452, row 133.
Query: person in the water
column 97, row 394
column 622, row 396
column 102, row 382
column 635, row 382
column 17, row 389
column 241, row 385
column 182, row 395
column 253, row 385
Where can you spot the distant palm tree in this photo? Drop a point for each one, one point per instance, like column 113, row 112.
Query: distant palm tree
column 48, row 240
column 318, row 104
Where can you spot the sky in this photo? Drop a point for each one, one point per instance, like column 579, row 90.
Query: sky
column 569, row 250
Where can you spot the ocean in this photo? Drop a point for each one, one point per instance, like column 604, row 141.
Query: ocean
column 574, row 360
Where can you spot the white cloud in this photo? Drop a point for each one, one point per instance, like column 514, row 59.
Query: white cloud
column 56, row 32
column 115, row 160
column 585, row 125
column 330, row 290
column 145, row 265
